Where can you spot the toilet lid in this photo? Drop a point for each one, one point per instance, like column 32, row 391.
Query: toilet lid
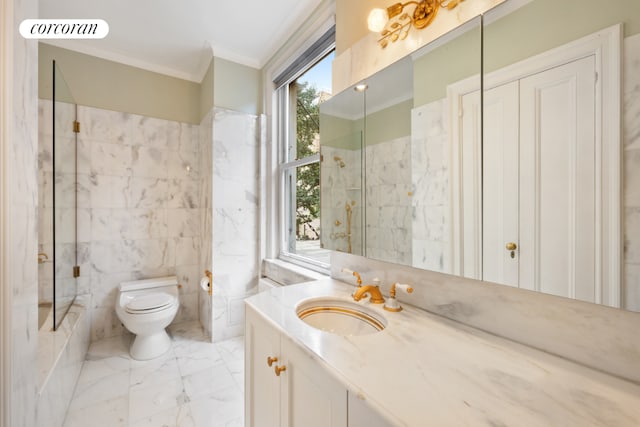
column 149, row 302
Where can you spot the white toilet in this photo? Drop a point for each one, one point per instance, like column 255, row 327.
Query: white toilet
column 146, row 308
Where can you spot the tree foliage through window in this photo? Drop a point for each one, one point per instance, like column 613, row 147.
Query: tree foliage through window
column 308, row 177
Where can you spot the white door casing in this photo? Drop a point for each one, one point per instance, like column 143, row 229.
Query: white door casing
column 604, row 47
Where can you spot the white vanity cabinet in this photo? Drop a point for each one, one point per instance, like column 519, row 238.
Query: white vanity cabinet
column 303, row 395
column 361, row 415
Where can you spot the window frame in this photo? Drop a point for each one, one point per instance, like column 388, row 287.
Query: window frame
column 285, row 121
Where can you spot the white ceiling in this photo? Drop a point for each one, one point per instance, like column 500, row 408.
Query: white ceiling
column 176, row 37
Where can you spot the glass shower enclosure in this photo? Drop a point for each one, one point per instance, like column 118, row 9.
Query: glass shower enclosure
column 64, row 197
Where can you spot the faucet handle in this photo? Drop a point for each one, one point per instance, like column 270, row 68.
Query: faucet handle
column 354, row 273
column 392, row 303
column 402, row 286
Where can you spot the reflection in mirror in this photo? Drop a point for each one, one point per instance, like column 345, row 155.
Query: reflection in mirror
column 555, row 140
column 409, row 155
column 341, row 139
column 534, row 186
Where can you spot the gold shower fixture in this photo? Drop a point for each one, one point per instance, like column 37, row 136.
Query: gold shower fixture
column 339, row 161
column 393, row 23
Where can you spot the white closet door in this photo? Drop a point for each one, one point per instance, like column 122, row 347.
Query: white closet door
column 470, row 186
column 557, row 181
column 500, row 184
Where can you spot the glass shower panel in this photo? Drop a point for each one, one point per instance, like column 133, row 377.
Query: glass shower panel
column 64, row 197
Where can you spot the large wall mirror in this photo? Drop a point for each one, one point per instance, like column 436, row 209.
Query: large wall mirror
column 341, row 139
column 509, row 151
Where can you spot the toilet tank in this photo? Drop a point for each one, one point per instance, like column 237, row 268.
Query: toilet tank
column 158, row 282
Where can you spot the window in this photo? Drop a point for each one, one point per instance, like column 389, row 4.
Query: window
column 299, row 106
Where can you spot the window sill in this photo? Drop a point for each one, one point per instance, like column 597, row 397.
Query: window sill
column 288, row 273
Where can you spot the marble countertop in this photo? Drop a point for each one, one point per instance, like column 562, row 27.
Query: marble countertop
column 423, row 369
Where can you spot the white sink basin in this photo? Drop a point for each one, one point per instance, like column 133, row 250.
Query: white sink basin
column 340, row 317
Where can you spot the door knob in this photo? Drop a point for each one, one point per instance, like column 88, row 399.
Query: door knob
column 279, row 369
column 511, row 246
column 270, row 360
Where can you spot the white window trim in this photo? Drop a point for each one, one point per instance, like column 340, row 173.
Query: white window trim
column 284, row 102
column 271, row 192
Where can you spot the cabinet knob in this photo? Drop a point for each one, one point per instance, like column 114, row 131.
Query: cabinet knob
column 270, row 360
column 280, row 369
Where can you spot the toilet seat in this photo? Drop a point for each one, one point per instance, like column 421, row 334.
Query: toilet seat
column 149, row 303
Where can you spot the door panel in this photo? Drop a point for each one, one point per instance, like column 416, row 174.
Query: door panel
column 262, row 387
column 362, row 415
column 500, row 184
column 470, row 187
column 557, row 181
column 311, row 397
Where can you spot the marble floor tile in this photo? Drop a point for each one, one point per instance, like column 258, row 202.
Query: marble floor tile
column 219, row 408
column 109, row 413
column 175, row 417
column 195, row 384
column 150, row 373
column 147, row 401
column 95, row 369
column 95, row 390
column 208, row 381
column 196, row 356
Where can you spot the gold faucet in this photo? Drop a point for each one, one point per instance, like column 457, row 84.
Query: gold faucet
column 42, row 258
column 373, row 290
column 355, row 274
column 392, row 303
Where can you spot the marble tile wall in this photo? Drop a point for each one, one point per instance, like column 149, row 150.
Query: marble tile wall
column 235, row 216
column 205, row 308
column 19, row 275
column 19, row 204
column 430, row 185
column 344, row 185
column 138, row 208
column 60, row 358
column 631, row 180
column 388, row 200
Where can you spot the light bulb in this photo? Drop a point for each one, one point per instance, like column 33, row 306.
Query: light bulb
column 377, row 20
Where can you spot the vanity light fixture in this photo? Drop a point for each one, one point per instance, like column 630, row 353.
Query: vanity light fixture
column 394, row 24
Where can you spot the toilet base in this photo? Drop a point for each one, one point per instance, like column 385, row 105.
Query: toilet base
column 146, row 347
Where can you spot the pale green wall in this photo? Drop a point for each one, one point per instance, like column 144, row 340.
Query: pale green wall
column 237, row 87
column 390, row 123
column 544, row 24
column 341, row 133
column 206, row 91
column 456, row 60
column 100, row 83
column 63, row 93
column 537, row 27
column 382, row 126
column 110, row 85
